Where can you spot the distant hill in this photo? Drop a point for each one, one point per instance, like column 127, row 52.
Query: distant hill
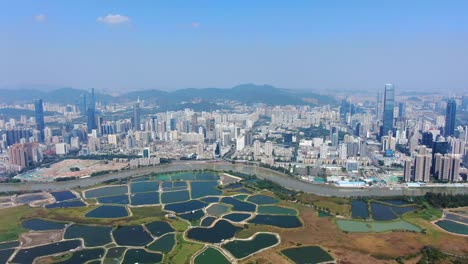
column 245, row 93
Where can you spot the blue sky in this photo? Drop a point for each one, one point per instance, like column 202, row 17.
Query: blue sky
column 317, row 45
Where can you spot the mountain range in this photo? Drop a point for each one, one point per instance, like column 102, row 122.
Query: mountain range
column 245, row 93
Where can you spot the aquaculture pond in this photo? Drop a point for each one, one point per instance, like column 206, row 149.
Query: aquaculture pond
column 27, row 198
column 283, row 221
column 323, row 214
column 185, row 206
column 175, row 197
column 307, row 254
column 243, row 248
column 82, row 256
column 383, row 212
column 453, row 227
column 118, row 199
column 207, row 221
column 205, row 188
column 220, row 231
column 5, row 254
column 457, row 218
column 148, row 198
column 233, row 186
column 239, row 205
column 275, row 210
column 193, row 216
column 241, row 196
column 262, row 199
column 28, row 255
column 159, row 228
column 108, row 211
column 174, row 186
column 363, row 227
column 92, row 235
column 42, row 225
column 359, row 209
column 131, row 236
column 9, row 244
column 211, row 255
column 395, row 202
column 236, row 217
column 210, row 199
column 63, row 196
column 163, row 244
column 66, row 204
column 217, row 209
column 106, row 191
column 145, row 186
column 114, row 254
column 133, row 256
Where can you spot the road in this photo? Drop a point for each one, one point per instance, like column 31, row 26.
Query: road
column 262, row 173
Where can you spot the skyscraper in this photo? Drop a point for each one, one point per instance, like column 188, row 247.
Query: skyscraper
column 136, row 116
column 91, row 113
column 450, row 116
column 389, row 104
column 39, row 113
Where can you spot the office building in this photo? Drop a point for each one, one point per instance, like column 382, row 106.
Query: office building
column 389, row 105
column 91, row 113
column 450, row 118
column 39, row 114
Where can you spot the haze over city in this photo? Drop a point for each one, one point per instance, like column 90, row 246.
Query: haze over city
column 312, row 45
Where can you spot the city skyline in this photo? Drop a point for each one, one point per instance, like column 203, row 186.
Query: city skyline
column 116, row 46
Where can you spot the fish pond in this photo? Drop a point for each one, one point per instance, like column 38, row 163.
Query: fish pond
column 133, row 256
column 220, row 231
column 185, row 206
column 159, row 228
column 237, row 217
column 108, row 211
column 131, row 236
column 239, row 205
column 66, row 204
column 307, row 254
column 43, row 225
column 28, row 255
column 163, row 244
column 106, row 191
column 175, row 197
column 217, row 209
column 83, row 256
column 118, row 199
column 148, row 198
column 205, row 188
column 359, row 209
column 275, row 210
column 207, row 221
column 453, row 227
column 383, row 212
column 283, row 221
column 211, row 255
column 92, row 235
column 63, row 196
column 261, row 199
column 243, row 248
column 145, row 186
column 363, row 227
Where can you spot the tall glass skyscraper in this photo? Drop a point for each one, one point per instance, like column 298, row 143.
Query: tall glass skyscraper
column 39, row 114
column 91, row 113
column 450, row 116
column 389, row 105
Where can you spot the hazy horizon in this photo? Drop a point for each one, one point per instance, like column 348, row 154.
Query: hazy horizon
column 321, row 46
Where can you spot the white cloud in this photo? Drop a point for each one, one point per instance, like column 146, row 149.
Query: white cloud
column 114, row 19
column 40, row 18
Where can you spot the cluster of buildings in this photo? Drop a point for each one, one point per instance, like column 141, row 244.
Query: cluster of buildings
column 417, row 138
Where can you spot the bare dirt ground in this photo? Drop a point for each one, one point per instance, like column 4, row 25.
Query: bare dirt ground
column 353, row 247
column 37, row 238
